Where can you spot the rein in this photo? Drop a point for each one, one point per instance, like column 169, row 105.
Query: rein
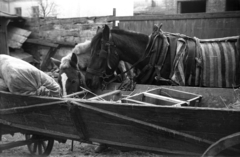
column 105, row 55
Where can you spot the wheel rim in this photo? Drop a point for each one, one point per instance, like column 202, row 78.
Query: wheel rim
column 42, row 146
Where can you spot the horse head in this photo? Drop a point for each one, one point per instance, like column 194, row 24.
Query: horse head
column 72, row 68
column 109, row 47
column 103, row 63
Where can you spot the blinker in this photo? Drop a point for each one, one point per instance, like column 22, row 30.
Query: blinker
column 103, row 54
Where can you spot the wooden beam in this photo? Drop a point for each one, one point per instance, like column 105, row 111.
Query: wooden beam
column 126, row 100
column 42, row 42
column 105, row 95
column 223, row 144
column 234, row 14
column 3, row 36
column 164, row 98
column 77, row 93
column 16, row 144
column 47, row 58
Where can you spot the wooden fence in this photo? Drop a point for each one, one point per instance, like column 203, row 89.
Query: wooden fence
column 201, row 25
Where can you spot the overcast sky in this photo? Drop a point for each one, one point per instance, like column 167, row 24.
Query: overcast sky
column 94, row 8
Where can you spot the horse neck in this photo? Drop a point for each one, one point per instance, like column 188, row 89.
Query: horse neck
column 131, row 48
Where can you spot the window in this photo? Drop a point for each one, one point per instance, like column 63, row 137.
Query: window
column 18, row 11
column 232, row 5
column 192, row 6
column 153, row 3
column 35, row 11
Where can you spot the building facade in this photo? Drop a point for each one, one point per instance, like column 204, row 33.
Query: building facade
column 88, row 8
column 67, row 9
column 184, row 6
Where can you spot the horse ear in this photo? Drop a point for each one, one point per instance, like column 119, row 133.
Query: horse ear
column 98, row 29
column 106, row 33
column 56, row 62
column 74, row 60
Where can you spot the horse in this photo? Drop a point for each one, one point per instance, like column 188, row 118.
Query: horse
column 164, row 57
column 72, row 70
column 128, row 47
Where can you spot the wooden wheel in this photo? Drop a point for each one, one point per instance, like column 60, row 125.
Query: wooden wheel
column 222, row 144
column 42, row 147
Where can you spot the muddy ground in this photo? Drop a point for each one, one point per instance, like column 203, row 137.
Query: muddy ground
column 64, row 150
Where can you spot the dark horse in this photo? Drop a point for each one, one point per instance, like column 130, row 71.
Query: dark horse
column 108, row 50
column 72, row 70
column 166, row 57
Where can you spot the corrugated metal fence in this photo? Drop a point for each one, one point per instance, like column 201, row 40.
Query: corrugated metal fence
column 201, row 25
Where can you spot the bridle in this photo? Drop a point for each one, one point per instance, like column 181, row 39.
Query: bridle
column 104, row 53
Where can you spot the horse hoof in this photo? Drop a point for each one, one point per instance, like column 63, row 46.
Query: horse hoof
column 101, row 148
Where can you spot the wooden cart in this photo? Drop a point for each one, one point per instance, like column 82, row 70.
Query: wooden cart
column 176, row 120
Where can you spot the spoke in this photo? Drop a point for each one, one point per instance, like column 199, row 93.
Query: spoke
column 39, row 148
column 31, row 148
column 34, row 147
column 44, row 145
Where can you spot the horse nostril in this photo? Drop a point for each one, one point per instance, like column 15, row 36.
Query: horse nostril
column 88, row 82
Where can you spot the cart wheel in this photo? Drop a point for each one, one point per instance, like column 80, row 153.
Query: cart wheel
column 42, row 147
column 222, row 144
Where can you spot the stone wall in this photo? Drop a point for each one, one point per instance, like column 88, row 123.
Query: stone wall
column 72, row 30
column 69, row 31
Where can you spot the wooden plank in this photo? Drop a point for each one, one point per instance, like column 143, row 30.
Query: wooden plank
column 3, row 36
column 41, row 42
column 145, row 148
column 139, row 132
column 137, row 121
column 16, row 144
column 17, row 36
column 51, row 133
column 22, row 55
column 18, row 31
column 14, row 44
column 126, row 100
column 105, row 95
column 25, row 108
column 47, row 58
column 74, row 94
column 235, row 14
column 222, row 144
column 165, row 98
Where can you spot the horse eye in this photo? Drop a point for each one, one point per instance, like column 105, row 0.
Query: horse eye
column 73, row 81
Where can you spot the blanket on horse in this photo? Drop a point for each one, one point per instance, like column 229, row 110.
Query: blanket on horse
column 193, row 61
column 207, row 63
column 20, row 77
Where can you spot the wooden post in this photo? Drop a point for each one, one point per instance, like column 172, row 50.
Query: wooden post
column 47, row 59
column 114, row 14
column 3, row 35
column 0, row 139
column 52, row 50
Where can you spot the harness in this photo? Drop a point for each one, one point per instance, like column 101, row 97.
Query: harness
column 152, row 71
column 157, row 43
column 104, row 53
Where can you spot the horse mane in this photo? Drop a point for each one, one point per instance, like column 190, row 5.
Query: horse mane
column 80, row 48
column 140, row 37
column 123, row 35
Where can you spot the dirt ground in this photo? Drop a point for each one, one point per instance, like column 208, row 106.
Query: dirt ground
column 64, row 150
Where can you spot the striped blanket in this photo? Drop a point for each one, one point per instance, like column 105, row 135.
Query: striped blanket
column 207, row 62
